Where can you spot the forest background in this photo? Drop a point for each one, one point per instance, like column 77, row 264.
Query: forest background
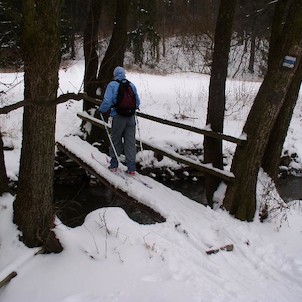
column 37, row 35
column 168, row 261
column 157, row 31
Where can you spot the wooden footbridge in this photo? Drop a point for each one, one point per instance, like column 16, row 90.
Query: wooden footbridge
column 139, row 189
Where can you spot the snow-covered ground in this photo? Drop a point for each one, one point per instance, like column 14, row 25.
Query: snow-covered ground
column 112, row 258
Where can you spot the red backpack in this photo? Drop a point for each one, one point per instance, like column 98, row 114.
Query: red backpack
column 126, row 103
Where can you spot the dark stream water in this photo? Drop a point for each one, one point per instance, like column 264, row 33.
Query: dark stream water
column 74, row 202
column 290, row 188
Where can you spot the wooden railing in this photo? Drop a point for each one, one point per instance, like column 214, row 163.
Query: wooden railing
column 204, row 132
column 205, row 168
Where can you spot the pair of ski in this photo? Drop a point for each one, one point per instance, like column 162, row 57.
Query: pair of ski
column 124, row 175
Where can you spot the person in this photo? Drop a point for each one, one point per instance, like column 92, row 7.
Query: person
column 123, row 127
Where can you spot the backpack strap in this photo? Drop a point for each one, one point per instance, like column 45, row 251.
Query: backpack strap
column 122, row 81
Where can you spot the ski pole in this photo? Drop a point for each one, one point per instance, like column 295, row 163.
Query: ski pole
column 139, row 136
column 111, row 143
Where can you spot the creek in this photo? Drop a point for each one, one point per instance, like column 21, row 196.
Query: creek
column 75, row 202
column 290, row 188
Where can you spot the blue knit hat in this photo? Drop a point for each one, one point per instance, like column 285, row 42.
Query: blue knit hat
column 119, row 73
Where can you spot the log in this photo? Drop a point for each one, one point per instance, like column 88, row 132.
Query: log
column 7, row 278
column 205, row 168
column 204, row 132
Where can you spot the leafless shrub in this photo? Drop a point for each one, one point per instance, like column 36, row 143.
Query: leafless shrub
column 272, row 207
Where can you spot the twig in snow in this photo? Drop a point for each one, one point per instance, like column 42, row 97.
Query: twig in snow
column 96, row 247
column 227, row 248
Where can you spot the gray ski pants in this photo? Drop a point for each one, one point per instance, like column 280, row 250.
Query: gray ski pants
column 123, row 138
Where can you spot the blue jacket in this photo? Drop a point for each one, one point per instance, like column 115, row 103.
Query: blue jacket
column 110, row 96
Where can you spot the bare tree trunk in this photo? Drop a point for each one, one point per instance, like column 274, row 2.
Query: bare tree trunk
column 272, row 155
column 115, row 53
column 3, row 175
column 114, row 56
column 252, row 53
column 271, row 159
column 216, row 105
column 90, row 51
column 33, row 207
column 278, row 22
column 240, row 198
column 91, row 83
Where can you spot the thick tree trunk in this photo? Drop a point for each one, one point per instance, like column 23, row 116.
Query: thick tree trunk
column 271, row 159
column 3, row 175
column 114, row 56
column 115, row 53
column 91, row 83
column 33, row 207
column 279, row 20
column 216, row 105
column 90, row 51
column 240, row 198
column 273, row 151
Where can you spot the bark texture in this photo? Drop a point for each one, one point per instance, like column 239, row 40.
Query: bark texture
column 115, row 53
column 272, row 155
column 114, row 56
column 33, row 207
column 3, row 175
column 216, row 105
column 240, row 198
column 90, row 50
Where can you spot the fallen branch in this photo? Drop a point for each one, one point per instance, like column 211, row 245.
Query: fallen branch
column 227, row 248
column 7, row 278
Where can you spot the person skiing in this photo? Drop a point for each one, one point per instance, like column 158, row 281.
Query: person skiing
column 123, row 127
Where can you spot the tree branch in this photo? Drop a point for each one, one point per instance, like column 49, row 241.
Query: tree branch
column 9, row 108
column 60, row 99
